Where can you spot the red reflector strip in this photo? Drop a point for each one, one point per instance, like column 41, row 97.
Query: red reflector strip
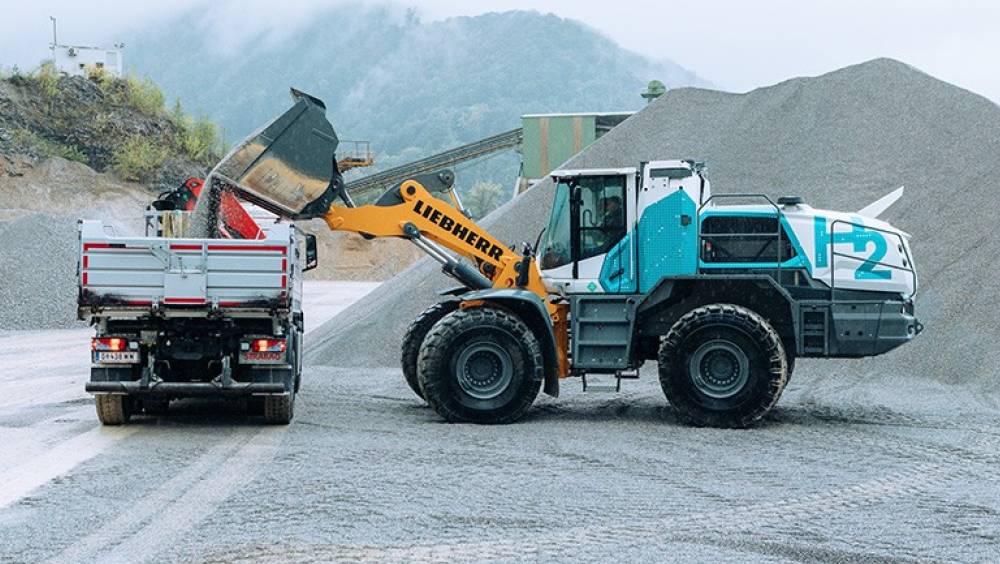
column 185, row 247
column 284, row 281
column 84, row 279
column 183, row 300
column 229, row 303
column 86, row 261
column 139, row 302
column 284, row 265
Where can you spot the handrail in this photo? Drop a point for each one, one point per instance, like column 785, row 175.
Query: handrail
column 778, row 215
column 834, row 253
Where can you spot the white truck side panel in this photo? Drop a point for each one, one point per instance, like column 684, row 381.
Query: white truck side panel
column 151, row 270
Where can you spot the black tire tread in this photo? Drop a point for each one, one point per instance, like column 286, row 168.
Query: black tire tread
column 414, row 337
column 279, row 409
column 452, row 326
column 759, row 329
column 112, row 409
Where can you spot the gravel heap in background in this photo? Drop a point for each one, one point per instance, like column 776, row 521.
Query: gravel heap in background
column 38, row 253
column 841, row 140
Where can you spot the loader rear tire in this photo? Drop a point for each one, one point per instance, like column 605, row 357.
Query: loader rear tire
column 480, row 365
column 722, row 365
column 113, row 409
column 279, row 409
column 414, row 337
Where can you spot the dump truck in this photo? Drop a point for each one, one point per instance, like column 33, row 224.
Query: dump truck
column 178, row 317
column 723, row 291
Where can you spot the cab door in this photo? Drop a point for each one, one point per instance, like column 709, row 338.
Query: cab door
column 588, row 245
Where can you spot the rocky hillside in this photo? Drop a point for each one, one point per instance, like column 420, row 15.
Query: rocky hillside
column 111, row 125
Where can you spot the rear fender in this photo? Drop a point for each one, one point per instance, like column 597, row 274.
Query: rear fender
column 531, row 309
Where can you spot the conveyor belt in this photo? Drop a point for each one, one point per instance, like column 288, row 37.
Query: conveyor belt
column 368, row 186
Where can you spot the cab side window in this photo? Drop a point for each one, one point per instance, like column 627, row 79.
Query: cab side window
column 602, row 214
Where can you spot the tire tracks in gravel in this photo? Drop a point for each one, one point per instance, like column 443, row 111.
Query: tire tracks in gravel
column 928, row 467
column 20, row 480
column 577, row 539
column 180, row 503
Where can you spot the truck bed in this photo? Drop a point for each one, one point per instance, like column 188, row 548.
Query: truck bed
column 136, row 274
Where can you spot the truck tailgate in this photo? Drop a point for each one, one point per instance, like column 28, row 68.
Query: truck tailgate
column 146, row 271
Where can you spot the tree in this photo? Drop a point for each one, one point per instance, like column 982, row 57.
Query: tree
column 483, row 198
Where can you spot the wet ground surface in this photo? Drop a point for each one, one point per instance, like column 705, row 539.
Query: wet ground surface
column 842, row 471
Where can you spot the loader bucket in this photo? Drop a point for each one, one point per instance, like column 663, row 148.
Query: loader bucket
column 288, row 166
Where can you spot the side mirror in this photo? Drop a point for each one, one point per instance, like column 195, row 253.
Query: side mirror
column 312, row 256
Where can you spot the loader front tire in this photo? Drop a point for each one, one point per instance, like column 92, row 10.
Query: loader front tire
column 113, row 409
column 722, row 365
column 480, row 365
column 414, row 337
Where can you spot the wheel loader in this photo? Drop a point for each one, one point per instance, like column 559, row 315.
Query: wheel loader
column 723, row 291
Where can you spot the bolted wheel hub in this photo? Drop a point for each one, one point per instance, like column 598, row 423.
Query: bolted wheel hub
column 484, row 370
column 719, row 369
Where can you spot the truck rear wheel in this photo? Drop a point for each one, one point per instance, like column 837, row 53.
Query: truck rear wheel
column 480, row 365
column 722, row 365
column 113, row 409
column 414, row 337
column 279, row 410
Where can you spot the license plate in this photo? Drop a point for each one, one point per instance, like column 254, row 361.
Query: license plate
column 256, row 357
column 123, row 357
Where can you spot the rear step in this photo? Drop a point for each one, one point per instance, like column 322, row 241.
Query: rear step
column 616, row 387
column 815, row 330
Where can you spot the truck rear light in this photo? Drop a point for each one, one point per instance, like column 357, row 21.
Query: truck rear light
column 264, row 350
column 111, row 344
column 268, row 345
column 114, row 351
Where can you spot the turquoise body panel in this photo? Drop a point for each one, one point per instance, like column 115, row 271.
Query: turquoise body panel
column 617, row 271
column 666, row 247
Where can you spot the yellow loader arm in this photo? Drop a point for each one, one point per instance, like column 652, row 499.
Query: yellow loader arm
column 289, row 168
column 431, row 223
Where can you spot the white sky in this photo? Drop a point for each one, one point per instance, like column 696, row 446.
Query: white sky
column 738, row 45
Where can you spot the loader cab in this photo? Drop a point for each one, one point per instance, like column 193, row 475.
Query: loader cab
column 594, row 245
column 587, row 246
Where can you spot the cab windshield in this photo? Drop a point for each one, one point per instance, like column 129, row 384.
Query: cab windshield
column 599, row 221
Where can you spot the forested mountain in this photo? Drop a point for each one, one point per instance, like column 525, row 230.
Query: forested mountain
column 410, row 87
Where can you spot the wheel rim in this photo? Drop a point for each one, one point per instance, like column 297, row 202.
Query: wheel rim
column 719, row 369
column 484, row 370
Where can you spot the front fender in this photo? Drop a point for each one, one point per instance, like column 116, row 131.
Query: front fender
column 532, row 310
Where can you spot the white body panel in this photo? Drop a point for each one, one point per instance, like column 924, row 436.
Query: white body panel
column 655, row 187
column 849, row 251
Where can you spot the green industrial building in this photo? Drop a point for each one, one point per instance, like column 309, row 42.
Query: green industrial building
column 549, row 140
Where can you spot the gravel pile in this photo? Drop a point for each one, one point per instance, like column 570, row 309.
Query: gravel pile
column 841, row 140
column 38, row 253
